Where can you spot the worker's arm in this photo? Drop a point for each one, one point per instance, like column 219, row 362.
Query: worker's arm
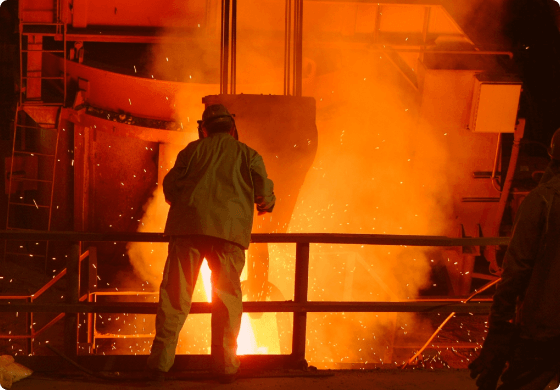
column 263, row 186
column 179, row 170
column 519, row 259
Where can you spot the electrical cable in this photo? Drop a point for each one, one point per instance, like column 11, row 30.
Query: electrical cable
column 486, row 287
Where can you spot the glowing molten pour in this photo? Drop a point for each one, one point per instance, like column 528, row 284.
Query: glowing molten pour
column 246, row 341
column 206, row 279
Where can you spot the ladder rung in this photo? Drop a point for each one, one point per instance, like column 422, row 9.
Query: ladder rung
column 38, row 127
column 35, row 180
column 24, row 254
column 41, row 23
column 43, row 51
column 43, row 77
column 39, row 206
column 44, row 34
column 33, row 153
column 23, row 230
column 40, row 103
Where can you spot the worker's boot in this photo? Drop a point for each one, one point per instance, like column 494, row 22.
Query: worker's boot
column 227, row 378
column 156, row 377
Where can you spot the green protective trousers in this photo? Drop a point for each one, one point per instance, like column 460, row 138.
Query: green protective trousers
column 226, row 261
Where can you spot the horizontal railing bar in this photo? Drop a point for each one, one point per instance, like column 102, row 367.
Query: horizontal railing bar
column 428, row 299
column 128, row 293
column 123, row 336
column 257, row 307
column 314, row 238
column 16, row 337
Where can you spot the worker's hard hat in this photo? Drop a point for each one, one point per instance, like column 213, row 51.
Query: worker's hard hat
column 216, row 113
column 554, row 150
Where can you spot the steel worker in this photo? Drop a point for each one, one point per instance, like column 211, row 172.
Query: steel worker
column 211, row 190
column 524, row 322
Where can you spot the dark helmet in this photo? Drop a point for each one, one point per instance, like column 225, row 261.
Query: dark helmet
column 554, row 151
column 214, row 114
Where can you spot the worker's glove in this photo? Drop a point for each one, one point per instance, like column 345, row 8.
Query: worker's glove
column 496, row 351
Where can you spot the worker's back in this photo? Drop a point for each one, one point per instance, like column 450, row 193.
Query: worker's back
column 212, row 188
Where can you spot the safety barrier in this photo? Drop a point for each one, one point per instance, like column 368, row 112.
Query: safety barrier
column 300, row 306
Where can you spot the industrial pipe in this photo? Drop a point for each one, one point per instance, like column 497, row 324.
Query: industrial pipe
column 490, row 252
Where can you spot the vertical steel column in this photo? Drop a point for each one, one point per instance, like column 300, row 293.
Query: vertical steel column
column 298, row 46
column 72, row 296
column 293, row 62
column 228, row 68
column 300, row 296
column 233, row 75
column 287, row 46
column 224, row 54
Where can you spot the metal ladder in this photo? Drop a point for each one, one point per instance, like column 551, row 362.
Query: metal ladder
column 31, row 180
column 32, row 166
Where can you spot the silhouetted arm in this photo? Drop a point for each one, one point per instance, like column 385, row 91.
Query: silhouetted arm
column 263, row 186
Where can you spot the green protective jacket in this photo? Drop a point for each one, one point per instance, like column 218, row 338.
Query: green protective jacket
column 531, row 268
column 212, row 188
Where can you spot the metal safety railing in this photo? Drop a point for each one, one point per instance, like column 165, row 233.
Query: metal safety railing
column 299, row 306
column 31, row 334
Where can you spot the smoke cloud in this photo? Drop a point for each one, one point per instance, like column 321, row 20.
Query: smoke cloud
column 378, row 170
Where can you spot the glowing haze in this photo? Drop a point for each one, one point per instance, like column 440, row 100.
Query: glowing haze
column 374, row 173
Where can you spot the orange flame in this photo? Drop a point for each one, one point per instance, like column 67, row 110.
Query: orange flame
column 247, row 344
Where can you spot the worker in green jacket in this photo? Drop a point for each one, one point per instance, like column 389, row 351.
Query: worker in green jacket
column 211, row 190
column 524, row 322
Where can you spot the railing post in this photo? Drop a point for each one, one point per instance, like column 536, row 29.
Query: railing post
column 299, row 339
column 92, row 287
column 29, row 326
column 72, row 296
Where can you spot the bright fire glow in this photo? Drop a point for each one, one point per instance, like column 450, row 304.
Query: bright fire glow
column 247, row 344
column 206, row 275
column 381, row 167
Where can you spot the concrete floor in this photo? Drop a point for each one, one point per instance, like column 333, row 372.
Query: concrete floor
column 442, row 379
column 323, row 380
